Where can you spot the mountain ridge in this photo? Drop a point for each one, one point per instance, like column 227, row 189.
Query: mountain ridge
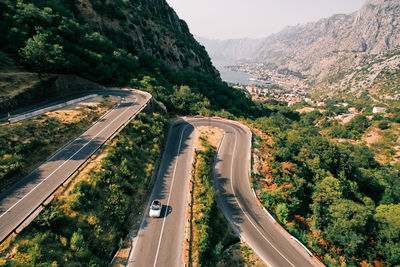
column 326, row 47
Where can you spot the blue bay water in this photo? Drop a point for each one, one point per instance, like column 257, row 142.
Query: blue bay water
column 234, row 76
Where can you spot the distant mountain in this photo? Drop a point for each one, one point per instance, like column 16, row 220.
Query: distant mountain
column 231, row 50
column 328, row 51
column 315, row 47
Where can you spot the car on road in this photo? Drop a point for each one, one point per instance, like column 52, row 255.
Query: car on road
column 155, row 208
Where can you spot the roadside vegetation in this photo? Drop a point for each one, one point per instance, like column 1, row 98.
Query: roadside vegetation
column 44, row 135
column 213, row 241
column 211, row 233
column 327, row 187
column 240, row 254
column 85, row 224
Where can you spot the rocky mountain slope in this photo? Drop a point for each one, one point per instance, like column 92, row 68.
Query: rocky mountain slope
column 372, row 30
column 330, row 51
column 112, row 43
column 377, row 76
column 135, row 43
column 147, row 25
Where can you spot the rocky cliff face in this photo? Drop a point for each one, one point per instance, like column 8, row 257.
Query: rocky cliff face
column 147, row 25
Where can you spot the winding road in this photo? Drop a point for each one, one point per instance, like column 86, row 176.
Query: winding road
column 26, row 197
column 160, row 241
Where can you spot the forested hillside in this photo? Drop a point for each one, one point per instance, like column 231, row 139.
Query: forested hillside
column 102, row 40
column 116, row 43
column 329, row 189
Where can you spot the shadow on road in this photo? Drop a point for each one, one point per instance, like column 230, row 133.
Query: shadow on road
column 166, row 210
column 178, row 134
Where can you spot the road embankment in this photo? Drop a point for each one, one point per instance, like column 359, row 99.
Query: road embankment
column 85, row 223
column 24, row 199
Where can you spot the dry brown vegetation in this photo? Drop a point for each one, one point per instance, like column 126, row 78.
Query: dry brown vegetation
column 240, row 255
column 27, row 143
column 385, row 143
column 214, row 136
column 13, row 83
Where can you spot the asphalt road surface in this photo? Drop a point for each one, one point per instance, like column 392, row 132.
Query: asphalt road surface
column 60, row 100
column 24, row 197
column 160, row 241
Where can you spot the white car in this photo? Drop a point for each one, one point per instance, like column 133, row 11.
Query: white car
column 155, row 208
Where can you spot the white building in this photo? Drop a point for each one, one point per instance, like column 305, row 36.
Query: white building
column 379, row 110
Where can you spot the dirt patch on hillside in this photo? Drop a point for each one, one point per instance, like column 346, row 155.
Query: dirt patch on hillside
column 396, row 157
column 213, row 134
column 13, row 83
column 372, row 136
column 305, row 110
column 385, row 144
column 71, row 113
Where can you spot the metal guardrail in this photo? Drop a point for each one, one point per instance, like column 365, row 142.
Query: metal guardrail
column 42, row 204
column 51, row 108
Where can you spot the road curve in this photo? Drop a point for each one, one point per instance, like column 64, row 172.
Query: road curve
column 26, row 196
column 160, row 240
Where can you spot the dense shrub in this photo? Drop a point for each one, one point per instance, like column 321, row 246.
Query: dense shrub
column 383, row 125
column 331, row 191
column 211, row 230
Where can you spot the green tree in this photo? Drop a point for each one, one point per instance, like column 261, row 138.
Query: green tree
column 358, row 125
column 388, row 220
column 186, row 101
column 325, row 193
column 77, row 241
column 267, row 199
column 347, row 224
column 383, row 125
column 396, row 117
column 41, row 53
column 282, row 212
column 339, row 131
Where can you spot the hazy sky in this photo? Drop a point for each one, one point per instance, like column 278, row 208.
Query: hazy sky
column 223, row 19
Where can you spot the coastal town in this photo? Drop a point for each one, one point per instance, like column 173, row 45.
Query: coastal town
column 270, row 83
